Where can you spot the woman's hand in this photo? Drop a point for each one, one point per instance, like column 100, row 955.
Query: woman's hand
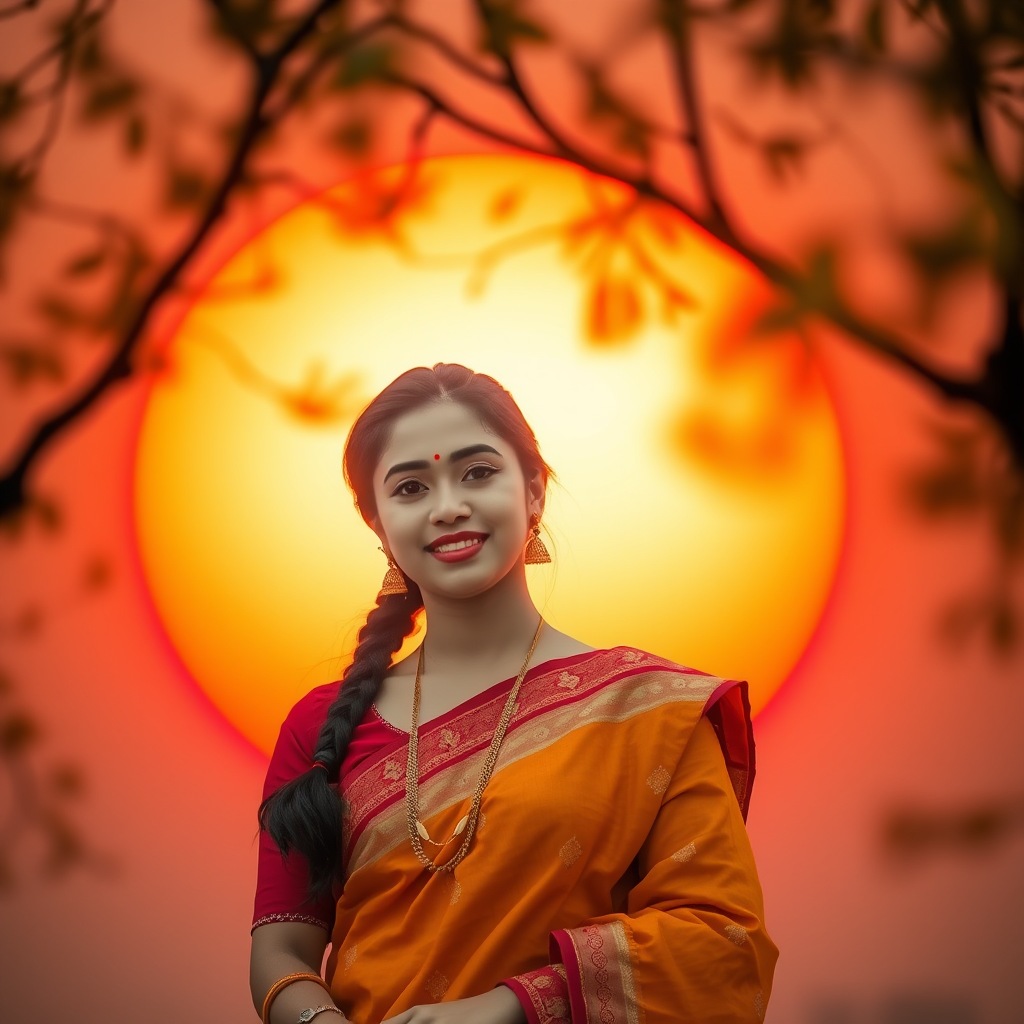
column 499, row 1006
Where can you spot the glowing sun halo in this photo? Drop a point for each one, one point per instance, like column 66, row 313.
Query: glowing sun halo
column 703, row 502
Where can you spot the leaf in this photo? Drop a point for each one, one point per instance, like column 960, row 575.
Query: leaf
column 47, row 512
column 186, row 188
column 800, row 35
column 17, row 732
column 98, row 573
column 614, row 310
column 251, row 21
column 60, row 312
column 15, row 188
column 815, row 292
column 86, row 263
column 135, row 134
column 504, row 25
column 11, row 100
column 27, row 362
column 664, row 222
column 67, row 780
column 353, row 136
column 874, row 27
column 941, row 253
column 362, row 65
column 783, row 154
column 91, row 56
column 109, row 97
column 631, row 131
column 1002, row 208
column 505, row 204
column 674, row 300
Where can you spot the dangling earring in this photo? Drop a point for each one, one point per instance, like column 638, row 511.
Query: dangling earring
column 535, row 550
column 393, row 583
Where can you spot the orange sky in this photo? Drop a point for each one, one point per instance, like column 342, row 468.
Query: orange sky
column 877, row 712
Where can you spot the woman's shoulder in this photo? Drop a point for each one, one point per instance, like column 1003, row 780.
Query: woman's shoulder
column 640, row 659
column 311, row 708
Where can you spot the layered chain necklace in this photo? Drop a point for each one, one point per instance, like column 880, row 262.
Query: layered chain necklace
column 418, row 834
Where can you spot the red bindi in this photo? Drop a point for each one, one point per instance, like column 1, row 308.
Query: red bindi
column 437, row 456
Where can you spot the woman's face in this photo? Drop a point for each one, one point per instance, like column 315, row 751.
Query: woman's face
column 480, row 491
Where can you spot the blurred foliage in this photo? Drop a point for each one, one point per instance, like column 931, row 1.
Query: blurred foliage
column 972, row 478
column 39, row 792
column 913, row 835
column 347, row 77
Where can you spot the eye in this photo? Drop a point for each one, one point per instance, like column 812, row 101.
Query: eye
column 401, row 489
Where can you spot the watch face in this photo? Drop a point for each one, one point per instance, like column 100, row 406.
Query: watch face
column 307, row 1015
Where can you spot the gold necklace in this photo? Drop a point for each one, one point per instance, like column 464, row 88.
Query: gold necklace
column 417, row 830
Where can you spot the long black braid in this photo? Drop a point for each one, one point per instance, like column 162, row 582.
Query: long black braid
column 305, row 814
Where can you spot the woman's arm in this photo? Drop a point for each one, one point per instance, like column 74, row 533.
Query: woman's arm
column 690, row 946
column 284, row 948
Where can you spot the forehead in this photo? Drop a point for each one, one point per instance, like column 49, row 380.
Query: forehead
column 419, row 434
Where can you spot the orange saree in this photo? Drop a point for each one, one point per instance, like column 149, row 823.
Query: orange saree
column 610, row 880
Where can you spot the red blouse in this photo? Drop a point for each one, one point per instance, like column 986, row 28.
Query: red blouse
column 280, row 882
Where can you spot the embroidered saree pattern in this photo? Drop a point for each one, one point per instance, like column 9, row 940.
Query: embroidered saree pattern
column 550, row 706
column 610, row 878
column 604, row 988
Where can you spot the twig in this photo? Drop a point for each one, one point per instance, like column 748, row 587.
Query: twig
column 119, row 365
column 447, row 50
column 19, row 8
column 686, row 87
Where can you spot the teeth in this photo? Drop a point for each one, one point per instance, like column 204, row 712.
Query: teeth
column 458, row 545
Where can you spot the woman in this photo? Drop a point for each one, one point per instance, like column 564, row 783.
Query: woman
column 485, row 839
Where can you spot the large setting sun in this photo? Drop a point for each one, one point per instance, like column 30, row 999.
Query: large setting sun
column 700, row 515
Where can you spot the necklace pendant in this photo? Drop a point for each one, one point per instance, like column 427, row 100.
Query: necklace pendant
column 422, row 830
column 461, row 827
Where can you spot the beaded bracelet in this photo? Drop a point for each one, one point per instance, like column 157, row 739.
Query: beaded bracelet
column 283, row 983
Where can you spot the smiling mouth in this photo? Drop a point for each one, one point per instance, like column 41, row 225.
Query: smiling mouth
column 459, row 545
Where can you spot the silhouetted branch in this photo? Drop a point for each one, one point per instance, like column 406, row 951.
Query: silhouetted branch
column 118, row 367
column 445, row 49
column 677, row 21
column 19, row 8
column 31, row 161
column 809, row 292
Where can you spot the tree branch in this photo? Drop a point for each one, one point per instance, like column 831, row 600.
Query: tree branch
column 12, row 485
column 446, row 50
column 677, row 19
column 18, row 8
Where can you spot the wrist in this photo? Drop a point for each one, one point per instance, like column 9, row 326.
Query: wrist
column 299, row 996
column 507, row 1004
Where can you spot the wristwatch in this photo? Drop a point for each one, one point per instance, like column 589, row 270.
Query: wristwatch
column 307, row 1015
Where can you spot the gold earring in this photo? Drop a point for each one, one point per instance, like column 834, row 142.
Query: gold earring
column 394, row 583
column 535, row 550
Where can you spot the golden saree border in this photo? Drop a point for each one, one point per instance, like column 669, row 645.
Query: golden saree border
column 600, row 973
column 599, row 687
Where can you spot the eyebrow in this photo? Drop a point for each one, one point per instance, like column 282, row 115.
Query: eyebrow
column 460, row 453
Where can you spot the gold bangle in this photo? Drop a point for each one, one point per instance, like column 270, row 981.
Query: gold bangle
column 286, row 981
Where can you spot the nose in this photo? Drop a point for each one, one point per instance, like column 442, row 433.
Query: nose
column 449, row 505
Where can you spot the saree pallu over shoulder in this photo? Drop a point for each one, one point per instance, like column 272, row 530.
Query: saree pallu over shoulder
column 625, row 683
column 610, row 878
